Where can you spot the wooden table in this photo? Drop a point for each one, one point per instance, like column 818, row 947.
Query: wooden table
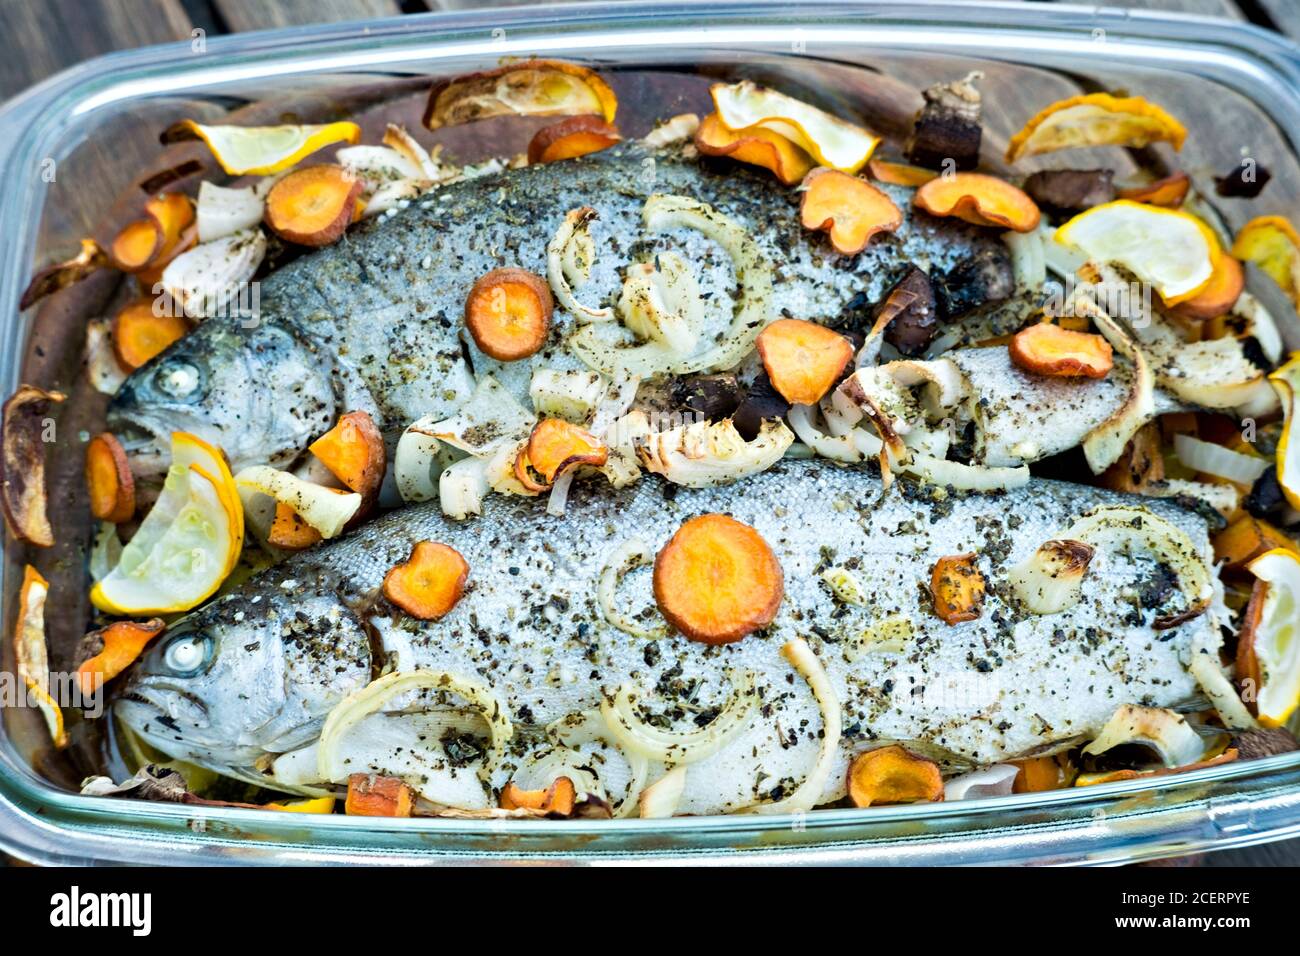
column 41, row 37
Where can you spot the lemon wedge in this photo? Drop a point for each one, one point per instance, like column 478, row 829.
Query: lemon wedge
column 1272, row 635
column 188, row 449
column 1173, row 251
column 1098, row 119
column 1272, row 244
column 831, row 141
column 1286, row 380
column 178, row 566
column 260, row 150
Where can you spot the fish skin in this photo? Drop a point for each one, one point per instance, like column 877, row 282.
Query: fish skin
column 291, row 642
column 376, row 319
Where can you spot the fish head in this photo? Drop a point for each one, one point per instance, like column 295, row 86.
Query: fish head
column 260, row 394
column 250, row 675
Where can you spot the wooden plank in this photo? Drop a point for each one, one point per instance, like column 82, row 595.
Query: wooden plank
column 1285, row 14
column 241, row 15
column 42, row 38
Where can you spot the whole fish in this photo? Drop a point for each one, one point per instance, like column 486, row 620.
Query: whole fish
column 244, row 685
column 376, row 321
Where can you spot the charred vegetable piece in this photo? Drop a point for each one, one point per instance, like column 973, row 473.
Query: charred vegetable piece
column 570, row 138
column 24, row 427
column 556, row 446
column 109, row 479
column 1246, row 539
column 430, row 583
column 957, row 587
column 915, row 318
column 508, row 313
column 984, row 279
column 979, row 199
column 525, row 88
column 1071, row 190
column 948, row 126
column 353, row 450
column 1141, row 465
column 756, row 146
column 1169, row 192
column 261, row 150
column 716, row 580
column 557, row 800
column 370, row 795
column 893, row 775
column 1246, row 181
column 803, row 359
column 1047, row 349
column 850, row 209
column 139, row 334
column 313, row 206
column 761, row 402
column 51, row 279
column 1266, row 497
column 713, row 397
column 118, row 646
column 1265, row 742
column 289, row 531
column 1217, row 298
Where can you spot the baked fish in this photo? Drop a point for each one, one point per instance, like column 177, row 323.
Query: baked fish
column 558, row 629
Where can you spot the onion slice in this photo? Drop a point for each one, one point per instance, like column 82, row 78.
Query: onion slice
column 323, row 508
column 673, row 747
column 660, row 799
column 994, row 781
column 1161, row 729
column 567, row 251
column 1216, row 460
column 626, row 557
column 809, row 793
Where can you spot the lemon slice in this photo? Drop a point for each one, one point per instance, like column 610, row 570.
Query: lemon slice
column 185, row 563
column 188, row 449
column 832, row 141
column 262, row 149
column 1287, row 382
column 1277, row 636
column 1272, row 244
column 1170, row 249
column 1097, row 119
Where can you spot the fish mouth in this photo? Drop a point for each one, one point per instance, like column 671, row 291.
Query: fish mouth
column 166, row 703
column 147, row 443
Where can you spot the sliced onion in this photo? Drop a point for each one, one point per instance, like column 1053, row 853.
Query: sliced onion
column 661, row 302
column 684, row 747
column 1262, row 326
column 1205, row 667
column 623, row 559
column 559, row 496
column 1028, row 260
column 707, row 453
column 843, row 449
column 103, row 369
column 490, row 419
column 222, row 211
column 590, row 727
column 204, row 280
column 1104, row 445
column 846, row 585
column 573, row 396
column 106, row 552
column 660, row 799
column 462, row 486
column 954, row 474
column 417, row 450
column 570, row 245
column 324, row 509
column 1216, row 460
column 376, row 166
column 809, row 793
column 675, row 130
column 1051, row 580
column 370, row 699
column 994, row 781
column 1161, row 729
column 541, row 770
column 1223, row 498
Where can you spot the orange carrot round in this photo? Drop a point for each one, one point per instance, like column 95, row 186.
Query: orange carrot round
column 289, row 531
column 716, row 580
column 979, row 199
column 893, row 775
column 508, row 313
column 848, row 207
column 1047, row 349
column 370, row 795
column 899, row 174
column 570, row 138
column 139, row 335
column 756, row 146
column 556, row 800
column 430, row 583
column 957, row 588
column 555, row 446
column 109, row 478
column 136, row 244
column 353, row 450
column 1168, row 192
column 312, row 206
column 1216, row 299
column 803, row 359
column 122, row 642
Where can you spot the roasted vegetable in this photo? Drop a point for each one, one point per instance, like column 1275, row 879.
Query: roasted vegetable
column 957, row 587
column 947, row 129
column 1070, row 190
column 430, row 583
column 893, row 775
column 25, row 430
column 803, row 359
column 508, row 313
column 850, row 209
column 1047, row 349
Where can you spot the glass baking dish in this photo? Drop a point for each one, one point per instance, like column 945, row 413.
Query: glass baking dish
column 69, row 147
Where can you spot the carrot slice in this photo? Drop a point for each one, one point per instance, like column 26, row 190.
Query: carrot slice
column 899, row 174
column 1246, row 539
column 1038, row 774
column 353, row 450
column 803, row 359
column 289, row 531
column 430, row 583
column 1169, row 192
column 571, row 138
column 312, row 206
column 555, row 446
column 1226, row 284
column 135, row 245
column 1248, row 670
column 1047, row 349
column 979, row 199
column 109, row 478
column 1141, row 465
column 756, row 146
column 556, row 800
column 508, row 313
column 850, row 209
column 370, row 795
column 717, row 580
column 139, row 334
column 957, row 588
column 120, row 644
column 893, row 775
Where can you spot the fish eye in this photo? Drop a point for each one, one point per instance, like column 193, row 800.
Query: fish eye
column 187, row 654
column 177, row 378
